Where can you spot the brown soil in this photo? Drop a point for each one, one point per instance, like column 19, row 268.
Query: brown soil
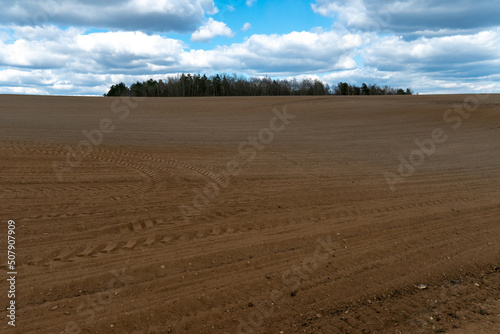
column 308, row 237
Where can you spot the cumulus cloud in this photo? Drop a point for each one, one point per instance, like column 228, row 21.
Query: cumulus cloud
column 450, row 56
column 51, row 47
column 354, row 13
column 282, row 54
column 210, row 30
column 421, row 82
column 246, row 26
column 433, row 46
column 411, row 15
column 146, row 15
column 133, row 45
column 38, row 47
column 64, row 61
column 444, row 64
column 429, row 55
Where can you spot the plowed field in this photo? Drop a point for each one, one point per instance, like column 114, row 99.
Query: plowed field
column 252, row 215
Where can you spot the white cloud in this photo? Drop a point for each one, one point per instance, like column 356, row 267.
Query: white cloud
column 51, row 47
column 351, row 12
column 38, row 47
column 250, row 3
column 283, row 54
column 136, row 44
column 50, row 60
column 180, row 7
column 246, row 26
column 70, row 61
column 420, row 82
column 305, row 45
column 445, row 64
column 411, row 15
column 145, row 15
column 454, row 56
column 210, row 30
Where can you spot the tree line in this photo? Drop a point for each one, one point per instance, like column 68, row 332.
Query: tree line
column 346, row 89
column 189, row 85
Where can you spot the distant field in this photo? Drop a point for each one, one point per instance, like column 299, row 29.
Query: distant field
column 253, row 215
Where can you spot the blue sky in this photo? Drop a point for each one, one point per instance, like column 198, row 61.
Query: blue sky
column 81, row 47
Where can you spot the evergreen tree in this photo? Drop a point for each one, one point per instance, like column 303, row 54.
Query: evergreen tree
column 189, row 85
